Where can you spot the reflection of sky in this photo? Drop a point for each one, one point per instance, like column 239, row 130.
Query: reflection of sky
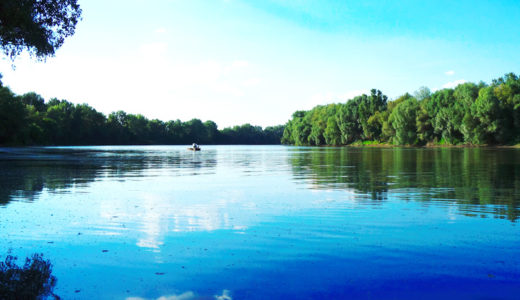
column 156, row 215
column 239, row 219
column 188, row 296
column 170, row 192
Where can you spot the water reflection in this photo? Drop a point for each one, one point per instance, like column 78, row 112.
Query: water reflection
column 31, row 280
column 476, row 179
column 189, row 295
column 151, row 215
column 265, row 222
column 28, row 171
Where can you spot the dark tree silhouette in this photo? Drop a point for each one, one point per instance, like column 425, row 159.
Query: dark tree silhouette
column 38, row 26
column 33, row 280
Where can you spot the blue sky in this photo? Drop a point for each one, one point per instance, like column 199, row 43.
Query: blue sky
column 235, row 61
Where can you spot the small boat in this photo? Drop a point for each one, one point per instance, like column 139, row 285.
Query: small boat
column 194, row 147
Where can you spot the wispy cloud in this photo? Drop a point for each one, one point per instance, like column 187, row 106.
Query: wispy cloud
column 449, row 73
column 453, row 84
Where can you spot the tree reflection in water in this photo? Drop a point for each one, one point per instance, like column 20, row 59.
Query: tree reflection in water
column 26, row 172
column 33, row 280
column 478, row 180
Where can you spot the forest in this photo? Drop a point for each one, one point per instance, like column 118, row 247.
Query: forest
column 29, row 120
column 469, row 114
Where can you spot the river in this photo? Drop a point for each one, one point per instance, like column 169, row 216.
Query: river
column 266, row 222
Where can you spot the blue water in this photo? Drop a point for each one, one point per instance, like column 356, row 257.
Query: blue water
column 266, row 222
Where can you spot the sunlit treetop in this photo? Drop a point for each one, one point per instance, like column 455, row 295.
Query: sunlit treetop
column 38, row 26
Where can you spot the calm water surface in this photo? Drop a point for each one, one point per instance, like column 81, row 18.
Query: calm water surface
column 274, row 222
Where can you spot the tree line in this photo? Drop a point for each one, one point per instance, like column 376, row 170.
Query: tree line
column 29, row 120
column 472, row 114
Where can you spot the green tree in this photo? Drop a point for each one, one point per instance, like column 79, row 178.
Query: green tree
column 404, row 122
column 158, row 132
column 422, row 93
column 300, row 128
column 117, row 126
column 318, row 117
column 139, row 129
column 87, row 126
column 12, row 118
column 35, row 100
column 176, row 131
column 465, row 95
column 287, row 136
column 347, row 120
column 374, row 127
column 485, row 109
column 367, row 107
column 59, row 123
column 424, row 126
column 507, row 91
column 387, row 130
column 212, row 133
column 195, row 131
column 38, row 26
column 273, row 134
column 332, row 133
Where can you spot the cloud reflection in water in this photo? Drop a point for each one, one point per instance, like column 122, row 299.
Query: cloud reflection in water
column 189, row 295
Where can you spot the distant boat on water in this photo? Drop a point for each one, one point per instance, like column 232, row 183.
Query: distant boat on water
column 194, row 147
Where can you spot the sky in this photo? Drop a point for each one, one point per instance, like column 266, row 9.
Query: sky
column 236, row 62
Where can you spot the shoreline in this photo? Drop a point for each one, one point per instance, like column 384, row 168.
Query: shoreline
column 425, row 146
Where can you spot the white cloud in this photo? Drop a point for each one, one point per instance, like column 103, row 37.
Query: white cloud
column 153, row 49
column 449, row 73
column 251, row 82
column 160, row 30
column 453, row 84
column 239, row 64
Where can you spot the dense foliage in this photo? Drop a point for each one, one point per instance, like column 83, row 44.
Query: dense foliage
column 39, row 26
column 29, row 120
column 473, row 114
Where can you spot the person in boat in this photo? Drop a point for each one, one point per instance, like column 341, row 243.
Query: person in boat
column 195, row 146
